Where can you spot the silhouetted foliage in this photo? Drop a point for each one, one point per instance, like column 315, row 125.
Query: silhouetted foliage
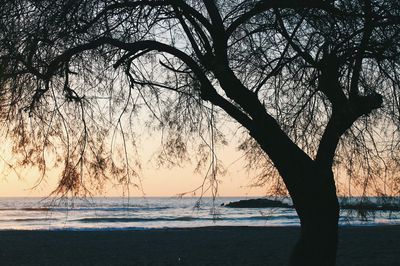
column 313, row 84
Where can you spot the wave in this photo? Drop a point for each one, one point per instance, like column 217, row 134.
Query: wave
column 177, row 219
column 33, row 219
column 132, row 219
column 40, row 209
column 268, row 218
column 109, row 209
column 85, row 209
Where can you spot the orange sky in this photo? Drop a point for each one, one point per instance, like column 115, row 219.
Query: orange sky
column 163, row 183
column 156, row 182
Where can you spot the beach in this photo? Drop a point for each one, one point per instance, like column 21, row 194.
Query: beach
column 363, row 245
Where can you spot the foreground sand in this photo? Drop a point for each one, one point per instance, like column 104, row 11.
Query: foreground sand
column 199, row 246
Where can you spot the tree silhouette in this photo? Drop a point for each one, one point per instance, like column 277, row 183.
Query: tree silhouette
column 314, row 83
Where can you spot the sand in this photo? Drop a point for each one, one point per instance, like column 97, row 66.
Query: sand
column 198, row 246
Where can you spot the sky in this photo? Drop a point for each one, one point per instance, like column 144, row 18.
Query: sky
column 155, row 181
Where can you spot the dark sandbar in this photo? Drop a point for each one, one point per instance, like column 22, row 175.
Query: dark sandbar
column 198, row 246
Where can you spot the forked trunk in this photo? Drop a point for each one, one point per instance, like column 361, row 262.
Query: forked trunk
column 311, row 186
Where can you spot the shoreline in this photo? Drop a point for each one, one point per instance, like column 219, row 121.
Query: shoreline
column 206, row 227
column 214, row 245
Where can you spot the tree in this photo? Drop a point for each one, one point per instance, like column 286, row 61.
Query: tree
column 307, row 80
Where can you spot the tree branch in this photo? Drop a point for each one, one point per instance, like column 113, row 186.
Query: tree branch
column 368, row 28
column 208, row 91
column 218, row 33
column 265, row 5
column 306, row 56
column 159, row 3
column 341, row 121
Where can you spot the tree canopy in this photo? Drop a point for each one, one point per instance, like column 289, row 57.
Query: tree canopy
column 313, row 86
column 78, row 73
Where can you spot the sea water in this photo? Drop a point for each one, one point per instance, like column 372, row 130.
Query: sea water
column 154, row 213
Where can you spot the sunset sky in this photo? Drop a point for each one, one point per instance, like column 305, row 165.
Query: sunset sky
column 156, row 181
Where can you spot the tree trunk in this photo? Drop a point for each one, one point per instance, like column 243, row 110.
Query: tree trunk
column 318, row 210
column 311, row 186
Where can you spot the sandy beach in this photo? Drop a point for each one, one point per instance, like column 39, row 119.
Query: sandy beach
column 198, row 246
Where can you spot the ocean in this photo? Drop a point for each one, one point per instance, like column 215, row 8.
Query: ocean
column 154, row 213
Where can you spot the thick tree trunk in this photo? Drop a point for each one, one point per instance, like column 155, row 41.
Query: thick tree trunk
column 318, row 209
column 312, row 187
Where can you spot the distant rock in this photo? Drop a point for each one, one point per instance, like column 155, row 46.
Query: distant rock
column 257, row 203
column 358, row 206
